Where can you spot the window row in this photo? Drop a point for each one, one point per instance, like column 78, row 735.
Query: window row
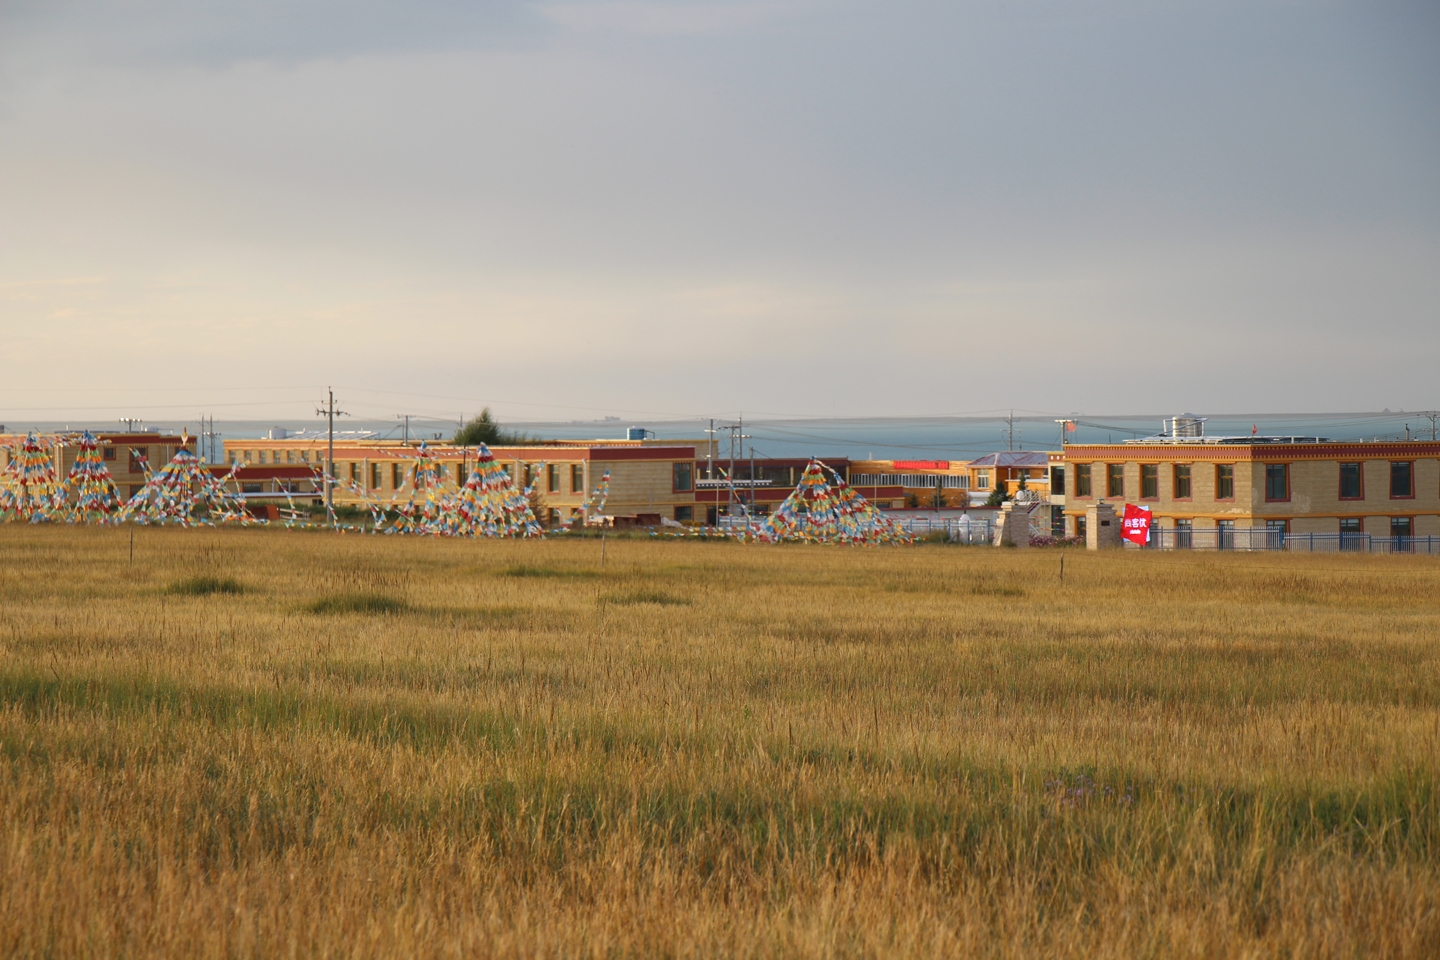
column 1277, row 481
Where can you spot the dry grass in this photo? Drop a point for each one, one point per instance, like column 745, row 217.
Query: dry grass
column 264, row 743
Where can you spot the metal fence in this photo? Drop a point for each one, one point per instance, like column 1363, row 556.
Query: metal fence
column 1260, row 538
column 963, row 529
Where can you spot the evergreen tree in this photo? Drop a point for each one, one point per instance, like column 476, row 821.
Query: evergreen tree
column 487, row 430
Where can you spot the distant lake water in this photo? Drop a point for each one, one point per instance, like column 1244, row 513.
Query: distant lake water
column 928, row 438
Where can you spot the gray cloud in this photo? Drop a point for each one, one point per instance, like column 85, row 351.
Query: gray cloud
column 581, row 194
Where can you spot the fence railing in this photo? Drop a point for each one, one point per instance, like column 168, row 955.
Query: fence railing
column 1260, row 538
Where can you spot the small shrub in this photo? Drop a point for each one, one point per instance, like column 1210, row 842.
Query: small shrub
column 525, row 570
column 203, row 586
column 647, row 596
column 372, row 603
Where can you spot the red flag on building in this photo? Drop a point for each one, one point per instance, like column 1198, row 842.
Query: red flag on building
column 1135, row 525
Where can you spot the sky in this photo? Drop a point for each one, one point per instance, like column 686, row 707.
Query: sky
column 706, row 207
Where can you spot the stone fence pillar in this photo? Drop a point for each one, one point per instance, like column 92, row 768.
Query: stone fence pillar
column 1102, row 529
column 1014, row 527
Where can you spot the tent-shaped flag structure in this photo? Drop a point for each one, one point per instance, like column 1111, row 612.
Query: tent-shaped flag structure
column 31, row 491
column 424, row 512
column 185, row 493
column 90, row 495
column 490, row 504
column 821, row 513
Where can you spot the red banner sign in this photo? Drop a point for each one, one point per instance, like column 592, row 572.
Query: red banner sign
column 922, row 464
column 1135, row 526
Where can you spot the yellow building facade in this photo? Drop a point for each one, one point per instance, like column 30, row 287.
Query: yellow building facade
column 1382, row 489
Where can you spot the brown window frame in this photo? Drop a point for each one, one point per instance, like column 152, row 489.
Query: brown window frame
column 1285, row 467
column 1175, row 493
column 1402, row 496
column 577, row 478
column 1083, row 469
column 1225, row 466
column 1360, row 471
column 1154, row 469
column 552, row 478
column 1114, row 471
column 675, row 470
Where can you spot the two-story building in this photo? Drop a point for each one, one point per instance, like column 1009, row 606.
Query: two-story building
column 1283, row 485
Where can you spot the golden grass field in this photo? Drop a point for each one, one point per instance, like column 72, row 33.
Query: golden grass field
column 386, row 747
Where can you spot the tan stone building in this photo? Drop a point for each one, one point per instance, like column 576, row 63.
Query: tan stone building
column 646, row 477
column 1283, row 485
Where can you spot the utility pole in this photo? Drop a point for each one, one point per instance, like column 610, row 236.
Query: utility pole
column 406, row 418
column 1432, row 416
column 710, row 451
column 330, row 413
column 752, row 480
column 1010, row 429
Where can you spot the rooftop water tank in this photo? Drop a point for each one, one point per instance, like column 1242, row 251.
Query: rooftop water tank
column 638, row 433
column 1185, row 425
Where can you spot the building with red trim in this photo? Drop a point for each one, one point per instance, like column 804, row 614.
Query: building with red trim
column 1282, row 484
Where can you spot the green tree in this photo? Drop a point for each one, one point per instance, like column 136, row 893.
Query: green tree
column 487, row 430
column 997, row 495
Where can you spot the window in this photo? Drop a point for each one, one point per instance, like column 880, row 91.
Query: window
column 1351, row 534
column 251, row 487
column 577, row 478
column 1057, row 521
column 1057, row 479
column 135, row 489
column 304, row 456
column 1277, row 481
column 1082, row 480
column 1115, row 480
column 1182, row 481
column 262, row 456
column 682, row 475
column 397, row 475
column 1401, row 526
column 462, row 474
column 1352, row 484
column 1149, row 481
column 1402, row 480
column 1080, row 528
column 375, row 478
column 552, row 478
column 289, row 456
column 684, row 514
column 1184, row 534
column 110, row 454
column 1225, row 534
column 138, row 456
column 355, row 473
column 231, row 454
column 982, row 480
column 1225, row 481
column 1275, row 531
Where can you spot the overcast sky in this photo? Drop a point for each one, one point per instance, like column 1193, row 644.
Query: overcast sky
column 703, row 206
